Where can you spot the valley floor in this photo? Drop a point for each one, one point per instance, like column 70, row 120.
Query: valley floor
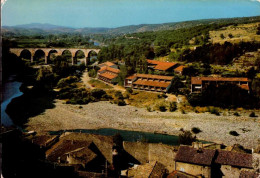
column 106, row 115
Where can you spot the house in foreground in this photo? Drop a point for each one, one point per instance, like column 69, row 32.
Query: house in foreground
column 157, row 83
column 198, row 161
column 194, row 161
column 198, row 84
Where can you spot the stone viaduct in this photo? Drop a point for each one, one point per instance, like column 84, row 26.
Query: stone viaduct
column 57, row 51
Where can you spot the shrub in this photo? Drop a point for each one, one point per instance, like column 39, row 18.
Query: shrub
column 200, row 109
column 162, row 108
column 236, row 114
column 119, row 95
column 196, row 130
column 92, row 73
column 149, row 109
column 215, row 111
column 121, row 103
column 252, row 114
column 234, row 133
column 129, row 90
column 173, row 106
column 186, row 138
column 64, row 82
column 230, row 35
column 183, row 111
column 97, row 93
column 164, row 95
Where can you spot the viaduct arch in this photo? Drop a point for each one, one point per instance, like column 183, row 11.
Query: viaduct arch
column 18, row 51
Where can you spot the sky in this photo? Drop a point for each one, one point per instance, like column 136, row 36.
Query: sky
column 116, row 13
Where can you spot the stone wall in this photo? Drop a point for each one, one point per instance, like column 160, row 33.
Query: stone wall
column 229, row 171
column 147, row 152
column 256, row 161
column 164, row 154
column 194, row 169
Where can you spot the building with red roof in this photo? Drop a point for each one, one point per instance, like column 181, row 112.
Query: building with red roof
column 198, row 84
column 148, row 82
column 162, row 66
column 108, row 74
column 179, row 70
column 108, row 64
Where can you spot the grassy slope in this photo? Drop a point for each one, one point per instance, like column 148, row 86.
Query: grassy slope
column 241, row 32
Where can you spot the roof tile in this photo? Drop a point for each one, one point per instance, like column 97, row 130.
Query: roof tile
column 191, row 155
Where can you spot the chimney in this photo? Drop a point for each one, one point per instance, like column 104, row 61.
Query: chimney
column 195, row 145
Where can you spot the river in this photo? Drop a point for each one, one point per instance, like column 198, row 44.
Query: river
column 10, row 90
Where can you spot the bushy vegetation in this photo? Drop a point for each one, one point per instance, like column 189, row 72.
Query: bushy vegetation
column 92, row 73
column 218, row 53
column 186, row 138
column 234, row 133
column 252, row 114
column 162, row 108
column 173, row 106
column 236, row 114
column 196, row 130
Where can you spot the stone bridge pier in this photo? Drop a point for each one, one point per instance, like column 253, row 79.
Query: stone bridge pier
column 58, row 51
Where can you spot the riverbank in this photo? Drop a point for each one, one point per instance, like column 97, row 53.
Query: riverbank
column 106, row 115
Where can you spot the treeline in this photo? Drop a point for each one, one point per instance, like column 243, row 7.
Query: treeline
column 51, row 40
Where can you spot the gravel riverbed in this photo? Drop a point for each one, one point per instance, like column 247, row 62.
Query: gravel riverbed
column 106, row 115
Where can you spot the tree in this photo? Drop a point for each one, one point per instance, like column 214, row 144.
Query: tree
column 176, row 85
column 230, row 35
column 186, row 138
column 162, row 51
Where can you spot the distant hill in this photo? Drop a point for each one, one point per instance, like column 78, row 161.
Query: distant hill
column 37, row 28
column 44, row 26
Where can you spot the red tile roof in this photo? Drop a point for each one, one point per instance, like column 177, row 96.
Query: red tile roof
column 179, row 69
column 234, row 159
column 106, row 68
column 131, row 77
column 152, row 83
column 244, row 86
column 108, row 75
column 154, row 76
column 161, row 65
column 107, row 64
column 191, row 155
column 198, row 80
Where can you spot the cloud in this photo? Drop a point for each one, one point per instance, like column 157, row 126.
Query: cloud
column 255, row 0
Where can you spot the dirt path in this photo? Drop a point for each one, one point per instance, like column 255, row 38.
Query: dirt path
column 85, row 79
column 106, row 115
